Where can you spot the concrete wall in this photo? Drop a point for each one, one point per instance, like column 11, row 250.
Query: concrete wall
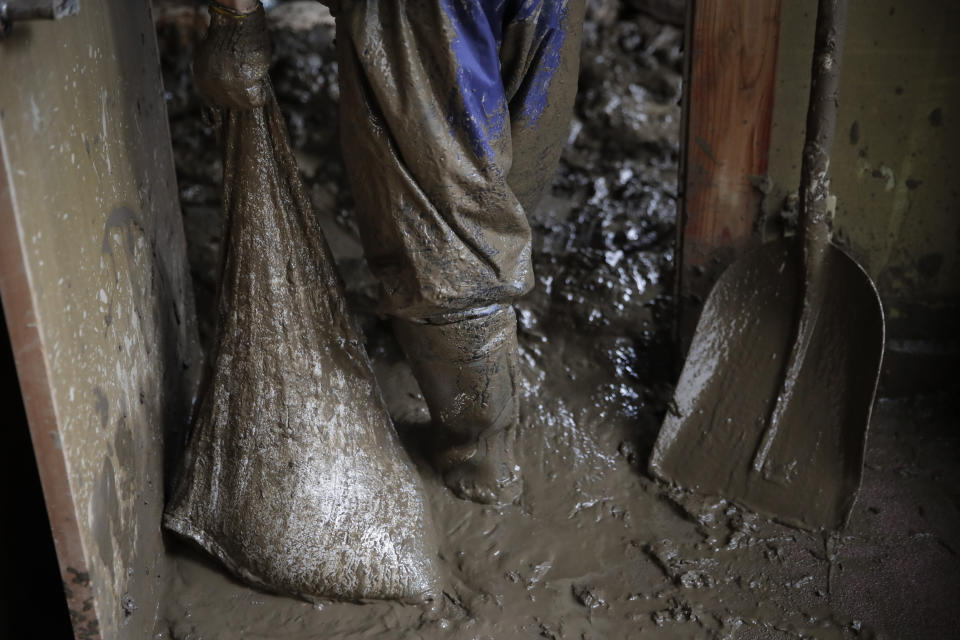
column 895, row 157
column 97, row 297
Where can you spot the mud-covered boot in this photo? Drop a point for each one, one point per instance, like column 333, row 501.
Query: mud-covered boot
column 467, row 367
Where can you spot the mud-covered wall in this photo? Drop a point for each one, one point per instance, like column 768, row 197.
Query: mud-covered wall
column 895, row 156
column 97, row 275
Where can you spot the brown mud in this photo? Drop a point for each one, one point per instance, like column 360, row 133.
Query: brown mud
column 595, row 548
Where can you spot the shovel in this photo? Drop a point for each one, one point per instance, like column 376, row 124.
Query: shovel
column 773, row 402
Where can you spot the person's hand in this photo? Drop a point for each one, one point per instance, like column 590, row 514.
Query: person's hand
column 232, row 62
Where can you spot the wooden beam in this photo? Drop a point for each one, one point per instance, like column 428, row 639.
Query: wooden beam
column 730, row 73
column 97, row 298
column 30, row 357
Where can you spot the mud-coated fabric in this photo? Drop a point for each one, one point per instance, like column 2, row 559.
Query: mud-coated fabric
column 294, row 476
column 233, row 59
column 453, row 116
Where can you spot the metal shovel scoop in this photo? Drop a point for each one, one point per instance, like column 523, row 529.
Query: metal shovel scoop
column 775, row 397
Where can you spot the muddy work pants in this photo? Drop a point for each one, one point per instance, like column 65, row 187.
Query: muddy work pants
column 453, row 117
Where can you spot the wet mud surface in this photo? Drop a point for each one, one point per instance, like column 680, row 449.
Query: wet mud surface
column 595, row 548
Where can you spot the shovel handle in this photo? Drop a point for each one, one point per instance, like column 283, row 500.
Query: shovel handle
column 821, row 125
column 814, row 202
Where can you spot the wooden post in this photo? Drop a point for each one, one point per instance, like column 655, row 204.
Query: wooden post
column 34, row 377
column 730, row 73
column 97, row 298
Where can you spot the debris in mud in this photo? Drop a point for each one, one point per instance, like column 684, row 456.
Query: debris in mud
column 588, row 596
column 679, row 610
column 687, row 573
column 629, row 451
column 668, row 11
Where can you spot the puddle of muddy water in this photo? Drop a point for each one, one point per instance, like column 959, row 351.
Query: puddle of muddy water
column 595, row 549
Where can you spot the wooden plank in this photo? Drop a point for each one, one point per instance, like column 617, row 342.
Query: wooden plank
column 28, row 354
column 97, row 297
column 731, row 68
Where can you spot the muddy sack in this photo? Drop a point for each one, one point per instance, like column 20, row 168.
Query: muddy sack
column 293, row 475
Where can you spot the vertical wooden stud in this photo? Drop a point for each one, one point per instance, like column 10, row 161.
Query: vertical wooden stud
column 730, row 73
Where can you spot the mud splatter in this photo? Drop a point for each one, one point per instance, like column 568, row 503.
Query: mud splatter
column 101, row 406
column 104, row 511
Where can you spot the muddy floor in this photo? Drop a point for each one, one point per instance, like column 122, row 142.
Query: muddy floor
column 595, row 549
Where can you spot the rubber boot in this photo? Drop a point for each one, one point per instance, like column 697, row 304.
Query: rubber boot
column 467, row 367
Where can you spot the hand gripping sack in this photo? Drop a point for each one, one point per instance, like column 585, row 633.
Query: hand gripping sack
column 293, row 475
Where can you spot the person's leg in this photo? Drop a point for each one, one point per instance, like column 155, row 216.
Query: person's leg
column 428, row 141
column 468, row 371
column 538, row 45
column 540, row 58
column 453, row 117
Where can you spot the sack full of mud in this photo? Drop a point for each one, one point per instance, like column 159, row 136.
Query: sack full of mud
column 293, row 475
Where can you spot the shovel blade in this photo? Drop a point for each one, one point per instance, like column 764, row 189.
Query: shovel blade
column 734, row 371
